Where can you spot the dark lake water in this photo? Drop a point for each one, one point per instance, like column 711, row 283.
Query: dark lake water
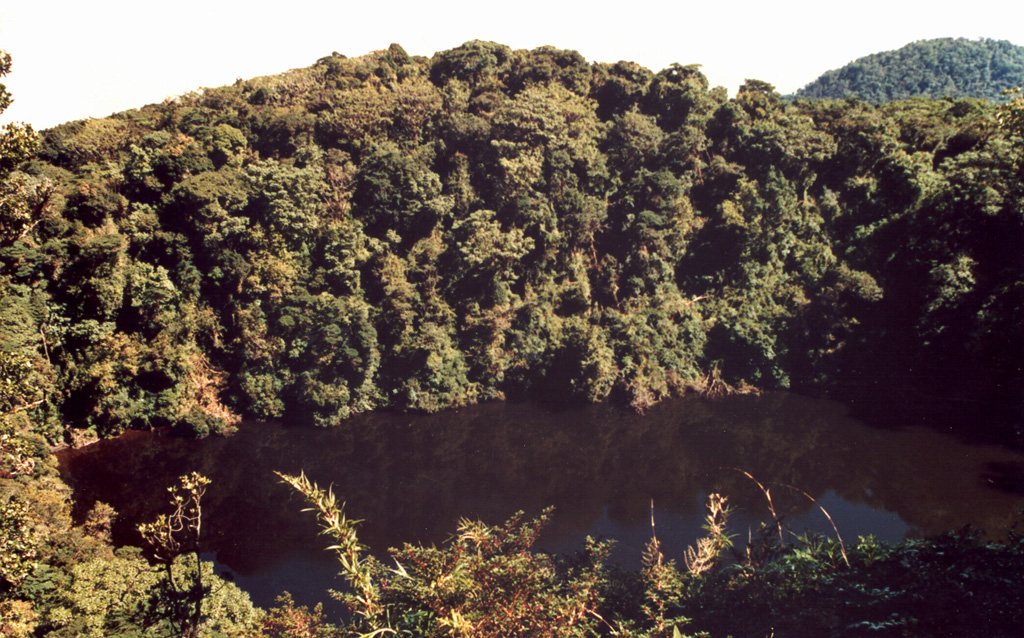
column 411, row 478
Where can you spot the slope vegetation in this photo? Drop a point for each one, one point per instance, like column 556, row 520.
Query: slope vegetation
column 407, row 233
column 945, row 67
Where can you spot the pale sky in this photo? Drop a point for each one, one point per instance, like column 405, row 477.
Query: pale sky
column 82, row 59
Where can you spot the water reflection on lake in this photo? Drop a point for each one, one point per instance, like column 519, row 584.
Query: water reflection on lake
column 411, row 478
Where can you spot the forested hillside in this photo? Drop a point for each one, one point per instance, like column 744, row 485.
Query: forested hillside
column 400, row 232
column 944, row 67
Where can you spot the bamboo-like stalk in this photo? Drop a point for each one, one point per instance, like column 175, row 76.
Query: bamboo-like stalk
column 842, row 545
column 768, row 495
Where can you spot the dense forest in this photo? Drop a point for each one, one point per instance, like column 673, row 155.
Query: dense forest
column 409, row 233
column 398, row 232
column 939, row 68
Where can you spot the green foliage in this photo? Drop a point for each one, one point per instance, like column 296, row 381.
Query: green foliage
column 485, row 582
column 547, row 65
column 19, row 454
column 288, row 621
column 390, row 231
column 5, row 68
column 177, row 533
column 397, row 195
column 62, row 580
column 22, row 200
column 475, row 63
column 187, row 599
column 1011, row 114
column 100, row 594
column 886, row 590
column 124, row 595
column 933, row 68
column 18, row 547
column 488, row 581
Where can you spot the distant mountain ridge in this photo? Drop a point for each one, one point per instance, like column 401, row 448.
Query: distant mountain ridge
column 932, row 68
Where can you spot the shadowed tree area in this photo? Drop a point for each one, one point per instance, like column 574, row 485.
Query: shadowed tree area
column 392, row 231
column 397, row 232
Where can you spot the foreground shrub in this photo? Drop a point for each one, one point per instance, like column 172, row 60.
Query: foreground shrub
column 487, row 582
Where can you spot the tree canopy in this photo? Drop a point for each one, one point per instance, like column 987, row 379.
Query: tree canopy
column 398, row 232
column 943, row 67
